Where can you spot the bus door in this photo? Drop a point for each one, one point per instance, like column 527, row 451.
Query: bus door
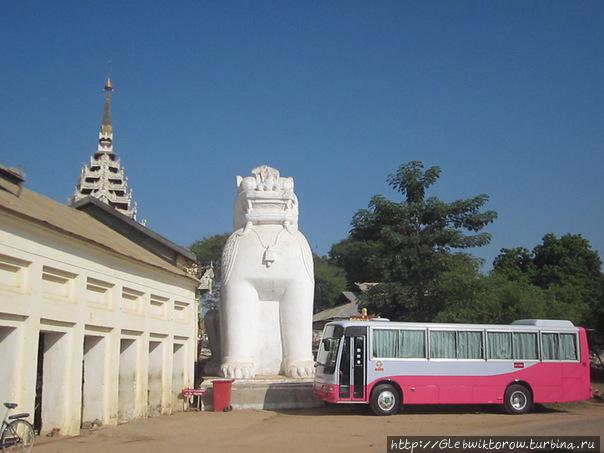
column 352, row 372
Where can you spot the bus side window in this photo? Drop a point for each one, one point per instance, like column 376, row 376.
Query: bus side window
column 525, row 346
column 442, row 344
column 568, row 346
column 499, row 345
column 469, row 345
column 549, row 346
column 559, row 346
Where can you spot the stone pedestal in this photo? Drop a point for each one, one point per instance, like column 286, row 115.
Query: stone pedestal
column 266, row 393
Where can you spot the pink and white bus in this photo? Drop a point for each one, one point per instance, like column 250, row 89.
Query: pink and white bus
column 388, row 364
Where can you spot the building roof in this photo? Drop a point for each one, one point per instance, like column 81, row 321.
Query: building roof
column 131, row 228
column 365, row 286
column 343, row 311
column 48, row 213
column 350, row 296
column 11, row 180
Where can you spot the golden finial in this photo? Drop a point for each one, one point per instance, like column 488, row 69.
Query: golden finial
column 108, row 86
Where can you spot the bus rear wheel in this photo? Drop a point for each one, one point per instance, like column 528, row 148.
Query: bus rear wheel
column 385, row 400
column 518, row 399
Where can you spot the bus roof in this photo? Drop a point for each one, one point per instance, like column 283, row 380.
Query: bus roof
column 543, row 323
column 522, row 324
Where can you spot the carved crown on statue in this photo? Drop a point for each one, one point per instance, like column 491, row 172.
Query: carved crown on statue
column 265, row 198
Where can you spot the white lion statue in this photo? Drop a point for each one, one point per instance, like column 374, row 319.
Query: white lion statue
column 267, row 283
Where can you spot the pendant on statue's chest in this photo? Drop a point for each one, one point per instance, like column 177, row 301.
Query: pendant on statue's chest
column 270, row 256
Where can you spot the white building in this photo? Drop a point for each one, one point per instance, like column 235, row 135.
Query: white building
column 94, row 325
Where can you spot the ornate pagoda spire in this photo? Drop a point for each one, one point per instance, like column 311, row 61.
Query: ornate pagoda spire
column 104, row 177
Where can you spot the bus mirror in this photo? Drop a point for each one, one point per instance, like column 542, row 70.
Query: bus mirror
column 326, row 342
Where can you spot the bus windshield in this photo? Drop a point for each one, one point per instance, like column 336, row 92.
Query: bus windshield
column 328, row 349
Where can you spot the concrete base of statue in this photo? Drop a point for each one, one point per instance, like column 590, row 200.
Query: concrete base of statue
column 269, row 392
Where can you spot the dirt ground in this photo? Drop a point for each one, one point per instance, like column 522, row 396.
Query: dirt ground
column 330, row 429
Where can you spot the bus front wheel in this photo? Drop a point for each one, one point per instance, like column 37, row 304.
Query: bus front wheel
column 385, row 400
column 518, row 399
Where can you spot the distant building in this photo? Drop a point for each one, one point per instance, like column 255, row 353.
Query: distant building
column 104, row 178
column 347, row 306
column 365, row 286
column 98, row 314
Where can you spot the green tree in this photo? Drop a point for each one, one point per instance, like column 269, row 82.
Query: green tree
column 360, row 259
column 470, row 296
column 568, row 259
column 464, row 292
column 515, row 264
column 209, row 251
column 330, row 281
column 407, row 245
column 566, row 269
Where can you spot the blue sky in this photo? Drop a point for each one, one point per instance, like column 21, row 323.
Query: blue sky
column 507, row 97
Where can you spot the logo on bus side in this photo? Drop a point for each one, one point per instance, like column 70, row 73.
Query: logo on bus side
column 379, row 366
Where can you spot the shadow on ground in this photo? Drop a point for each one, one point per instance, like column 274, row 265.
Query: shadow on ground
column 364, row 410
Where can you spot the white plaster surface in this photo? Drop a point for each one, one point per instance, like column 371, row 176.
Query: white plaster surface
column 50, row 282
column 267, row 282
column 178, row 374
column 155, row 377
column 9, row 342
column 127, row 379
column 54, row 382
column 93, row 388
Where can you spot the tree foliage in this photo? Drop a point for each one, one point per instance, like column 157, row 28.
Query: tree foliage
column 514, row 264
column 330, row 281
column 566, row 270
column 209, row 251
column 407, row 245
column 360, row 260
column 558, row 279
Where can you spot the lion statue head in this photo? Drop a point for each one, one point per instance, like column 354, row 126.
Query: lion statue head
column 265, row 198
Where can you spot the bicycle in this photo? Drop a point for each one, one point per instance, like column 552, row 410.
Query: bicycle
column 16, row 434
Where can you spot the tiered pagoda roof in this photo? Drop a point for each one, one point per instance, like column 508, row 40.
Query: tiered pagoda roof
column 104, row 177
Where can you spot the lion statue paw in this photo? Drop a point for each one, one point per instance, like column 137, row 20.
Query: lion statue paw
column 301, row 369
column 237, row 370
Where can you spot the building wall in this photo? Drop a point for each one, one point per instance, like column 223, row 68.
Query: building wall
column 109, row 327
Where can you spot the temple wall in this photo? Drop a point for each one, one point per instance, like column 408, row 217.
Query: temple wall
column 90, row 332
